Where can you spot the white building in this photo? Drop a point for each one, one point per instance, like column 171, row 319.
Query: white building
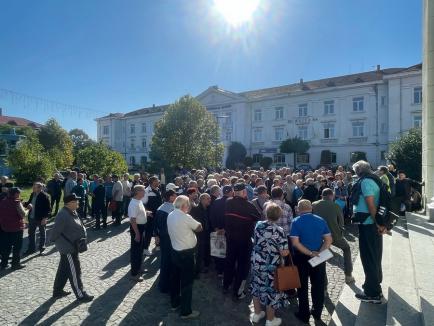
column 361, row 112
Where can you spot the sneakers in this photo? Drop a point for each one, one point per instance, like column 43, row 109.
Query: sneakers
column 61, row 294
column 194, row 314
column 349, row 279
column 364, row 298
column 85, row 298
column 255, row 318
column 146, row 252
column 275, row 322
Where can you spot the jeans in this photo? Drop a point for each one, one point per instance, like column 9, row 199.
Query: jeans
column 371, row 251
column 11, row 241
column 317, row 280
column 182, row 277
column 33, row 224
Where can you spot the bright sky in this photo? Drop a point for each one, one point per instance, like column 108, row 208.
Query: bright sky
column 118, row 56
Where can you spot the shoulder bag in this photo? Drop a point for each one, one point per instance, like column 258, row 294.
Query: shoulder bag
column 286, row 277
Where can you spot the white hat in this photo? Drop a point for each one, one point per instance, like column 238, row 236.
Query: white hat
column 171, row 186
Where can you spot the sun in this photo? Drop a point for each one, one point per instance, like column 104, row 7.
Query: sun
column 236, row 12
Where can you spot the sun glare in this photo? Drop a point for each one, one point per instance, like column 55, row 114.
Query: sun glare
column 236, row 12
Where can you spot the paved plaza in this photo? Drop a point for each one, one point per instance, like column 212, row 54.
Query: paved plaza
column 26, row 294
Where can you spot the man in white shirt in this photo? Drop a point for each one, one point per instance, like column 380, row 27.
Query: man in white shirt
column 126, row 191
column 117, row 196
column 181, row 228
column 137, row 215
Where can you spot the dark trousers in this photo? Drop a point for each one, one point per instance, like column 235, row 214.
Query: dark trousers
column 371, row 251
column 165, row 263
column 219, row 265
column 107, row 203
column 136, row 250
column 181, row 280
column 11, row 241
column 117, row 214
column 32, row 234
column 149, row 232
column 55, row 200
column 316, row 275
column 98, row 211
column 345, row 247
column 203, row 251
column 69, row 269
column 237, row 264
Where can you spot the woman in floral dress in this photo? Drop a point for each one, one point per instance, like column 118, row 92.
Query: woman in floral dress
column 270, row 244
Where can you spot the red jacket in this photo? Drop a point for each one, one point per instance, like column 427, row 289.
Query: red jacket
column 10, row 220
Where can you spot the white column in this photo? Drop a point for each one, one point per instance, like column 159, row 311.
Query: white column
column 428, row 104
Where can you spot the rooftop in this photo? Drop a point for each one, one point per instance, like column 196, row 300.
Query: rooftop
column 18, row 122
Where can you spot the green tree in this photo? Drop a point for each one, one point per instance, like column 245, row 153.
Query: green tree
column 99, row 159
column 236, row 155
column 294, row 145
column 80, row 139
column 266, row 162
column 248, row 161
column 29, row 161
column 186, row 135
column 406, row 153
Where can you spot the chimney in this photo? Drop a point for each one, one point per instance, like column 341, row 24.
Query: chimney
column 378, row 68
column 153, row 105
column 301, row 81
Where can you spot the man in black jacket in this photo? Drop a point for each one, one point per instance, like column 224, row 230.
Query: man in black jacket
column 240, row 219
column 39, row 206
column 403, row 187
column 98, row 203
column 152, row 201
column 54, row 189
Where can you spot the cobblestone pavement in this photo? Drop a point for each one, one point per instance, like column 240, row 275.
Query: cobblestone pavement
column 25, row 294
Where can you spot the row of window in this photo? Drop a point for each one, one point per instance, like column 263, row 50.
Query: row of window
column 133, row 128
column 133, row 143
column 143, row 160
column 329, row 106
column 304, row 158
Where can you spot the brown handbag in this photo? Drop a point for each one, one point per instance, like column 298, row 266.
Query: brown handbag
column 286, row 277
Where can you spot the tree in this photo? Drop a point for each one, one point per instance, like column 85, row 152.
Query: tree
column 236, row 155
column 248, row 161
column 57, row 143
column 80, row 139
column 29, row 161
column 266, row 162
column 99, row 159
column 186, row 135
column 294, row 145
column 406, row 153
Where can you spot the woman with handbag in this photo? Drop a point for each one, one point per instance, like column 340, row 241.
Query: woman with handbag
column 69, row 236
column 270, row 244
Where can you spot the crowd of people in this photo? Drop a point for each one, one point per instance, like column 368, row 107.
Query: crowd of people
column 266, row 217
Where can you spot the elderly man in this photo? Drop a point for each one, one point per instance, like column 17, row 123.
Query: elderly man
column 240, row 219
column 182, row 228
column 201, row 214
column 152, row 201
column 126, row 192
column 332, row 214
column 67, row 230
column 12, row 226
column 39, row 207
column 365, row 198
column 117, row 196
column 309, row 236
column 54, row 189
column 71, row 182
column 138, row 219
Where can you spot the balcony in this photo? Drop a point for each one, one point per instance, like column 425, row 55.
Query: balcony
column 358, row 140
column 329, row 141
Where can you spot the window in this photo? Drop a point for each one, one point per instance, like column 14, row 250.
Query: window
column 302, row 132
column 132, row 128
column 333, row 156
column 278, row 133
column 329, row 107
column 228, row 136
column 357, row 156
column 257, row 135
column 144, row 128
column 279, row 158
column 257, row 158
column 417, row 121
column 303, row 158
column 417, row 95
column 329, row 130
column 358, row 105
column 358, row 129
column 144, row 143
column 257, row 115
column 383, row 101
column 278, row 113
column 302, row 110
column 132, row 160
column 143, row 160
column 105, row 130
column 132, row 144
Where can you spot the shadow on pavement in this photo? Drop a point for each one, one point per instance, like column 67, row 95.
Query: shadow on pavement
column 42, row 310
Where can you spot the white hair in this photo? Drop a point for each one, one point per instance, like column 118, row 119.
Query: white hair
column 361, row 167
column 211, row 182
column 181, row 201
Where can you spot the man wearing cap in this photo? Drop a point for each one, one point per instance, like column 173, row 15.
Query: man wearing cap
column 39, row 206
column 67, row 230
column 54, row 189
column 217, row 220
column 163, row 237
column 240, row 219
column 12, row 226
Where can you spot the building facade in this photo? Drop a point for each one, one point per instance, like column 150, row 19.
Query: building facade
column 346, row 115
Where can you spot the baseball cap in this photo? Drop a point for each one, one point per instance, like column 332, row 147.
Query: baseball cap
column 71, row 197
column 227, row 189
column 239, row 186
column 171, row 186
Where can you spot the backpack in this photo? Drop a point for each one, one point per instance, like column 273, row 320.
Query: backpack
column 384, row 216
